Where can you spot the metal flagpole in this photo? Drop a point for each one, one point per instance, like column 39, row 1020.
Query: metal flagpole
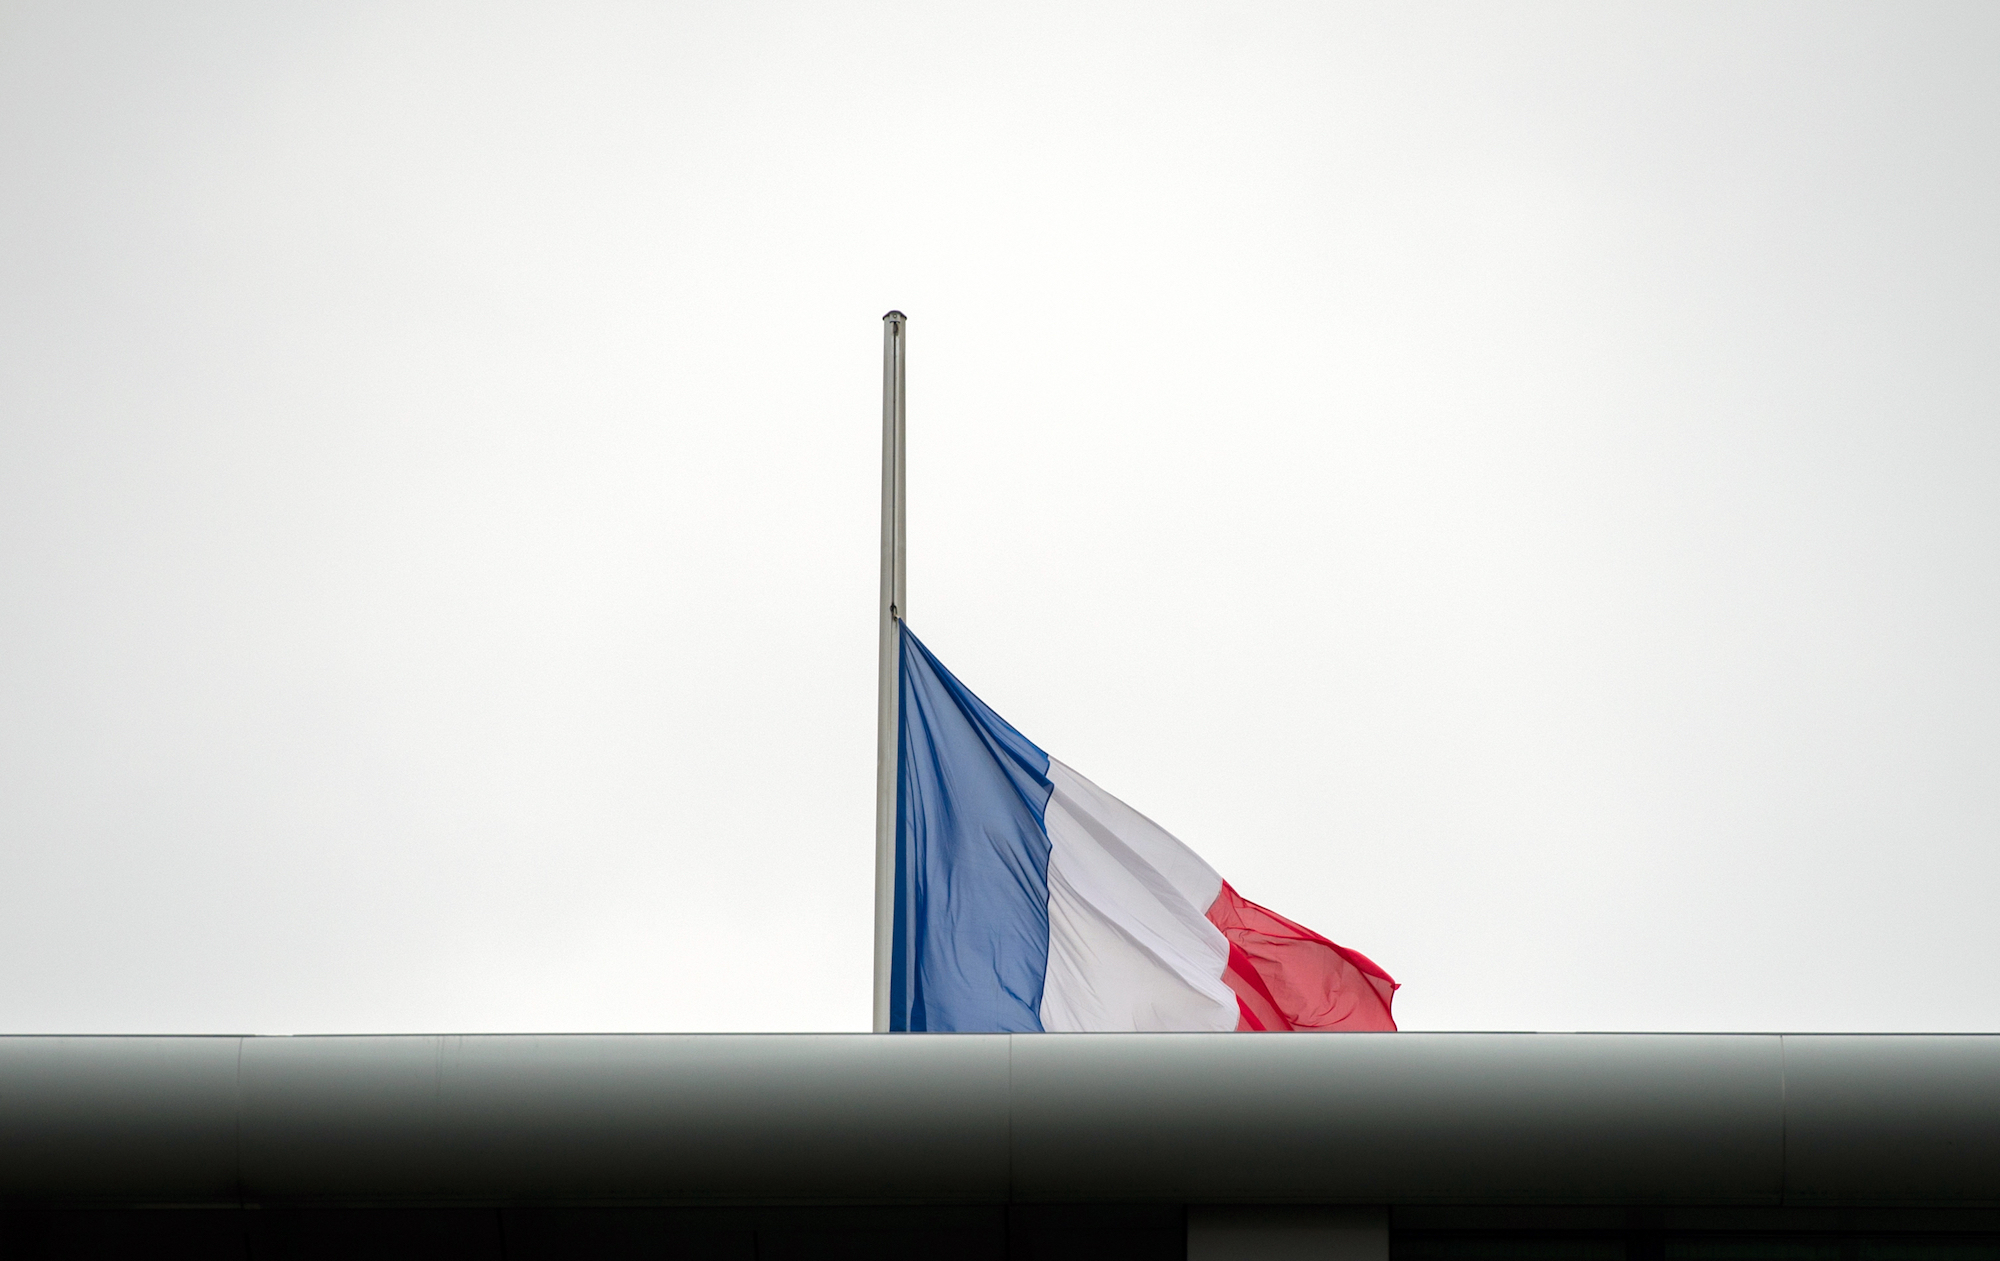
column 889, row 662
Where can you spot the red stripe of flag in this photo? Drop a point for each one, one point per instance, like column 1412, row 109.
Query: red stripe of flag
column 1288, row 977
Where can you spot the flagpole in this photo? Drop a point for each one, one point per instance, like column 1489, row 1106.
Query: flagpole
column 889, row 660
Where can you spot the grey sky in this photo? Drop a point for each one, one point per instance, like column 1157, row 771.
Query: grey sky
column 1512, row 485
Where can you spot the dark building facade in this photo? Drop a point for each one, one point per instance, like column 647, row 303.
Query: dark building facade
column 1404, row 1147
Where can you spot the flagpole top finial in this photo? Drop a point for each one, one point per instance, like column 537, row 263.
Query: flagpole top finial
column 897, row 316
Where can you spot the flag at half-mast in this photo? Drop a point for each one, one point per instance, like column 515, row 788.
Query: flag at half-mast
column 1027, row 898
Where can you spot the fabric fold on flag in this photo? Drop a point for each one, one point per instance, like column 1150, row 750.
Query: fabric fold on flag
column 1029, row 899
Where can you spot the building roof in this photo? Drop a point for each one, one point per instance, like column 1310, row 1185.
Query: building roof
column 1410, row 1118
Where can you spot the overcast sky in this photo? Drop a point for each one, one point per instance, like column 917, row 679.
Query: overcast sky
column 1513, row 486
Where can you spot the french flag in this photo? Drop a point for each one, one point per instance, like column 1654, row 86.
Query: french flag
column 1029, row 899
